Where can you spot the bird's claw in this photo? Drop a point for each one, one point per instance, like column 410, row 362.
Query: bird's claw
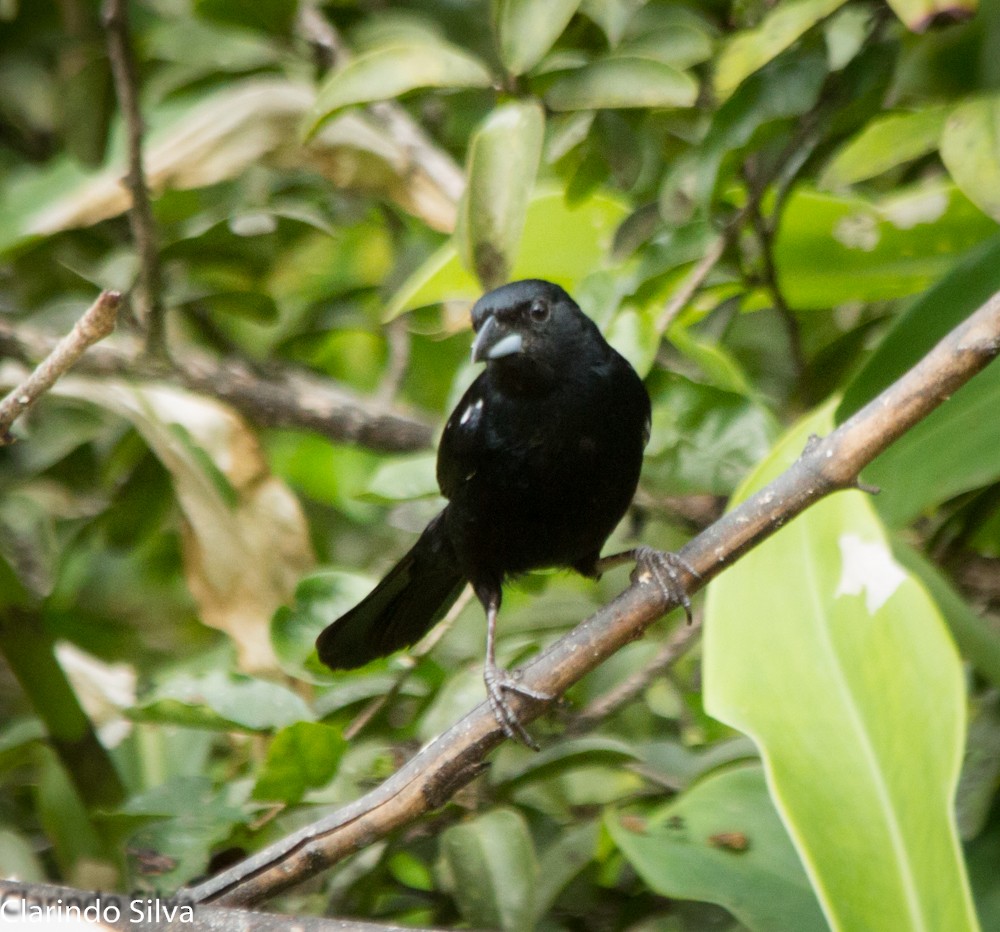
column 665, row 570
column 497, row 682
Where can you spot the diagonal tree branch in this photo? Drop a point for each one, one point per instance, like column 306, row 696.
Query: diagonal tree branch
column 427, row 781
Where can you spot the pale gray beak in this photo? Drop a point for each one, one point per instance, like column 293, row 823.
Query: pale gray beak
column 492, row 343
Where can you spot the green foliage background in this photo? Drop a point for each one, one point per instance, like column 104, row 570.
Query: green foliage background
column 166, row 563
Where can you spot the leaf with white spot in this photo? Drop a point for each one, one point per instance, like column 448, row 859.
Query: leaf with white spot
column 838, row 664
column 868, row 567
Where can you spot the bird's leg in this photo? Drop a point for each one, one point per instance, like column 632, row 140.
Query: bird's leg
column 663, row 567
column 497, row 680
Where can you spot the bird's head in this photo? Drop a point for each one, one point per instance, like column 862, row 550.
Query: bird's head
column 528, row 326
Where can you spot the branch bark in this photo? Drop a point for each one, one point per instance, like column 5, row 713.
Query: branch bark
column 97, row 322
column 827, row 465
column 295, row 398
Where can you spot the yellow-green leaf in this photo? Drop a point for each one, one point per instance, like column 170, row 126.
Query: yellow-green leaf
column 622, row 81
column 887, row 141
column 503, row 162
column 747, row 51
column 393, row 70
column 526, row 29
column 970, row 149
column 823, row 649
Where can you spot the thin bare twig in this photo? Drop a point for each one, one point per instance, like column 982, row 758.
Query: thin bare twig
column 422, row 649
column 430, row 778
column 97, row 322
column 676, row 646
column 150, row 312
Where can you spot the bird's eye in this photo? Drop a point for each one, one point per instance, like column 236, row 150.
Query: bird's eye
column 539, row 310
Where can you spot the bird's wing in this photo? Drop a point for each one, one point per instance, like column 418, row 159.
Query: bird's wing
column 461, row 447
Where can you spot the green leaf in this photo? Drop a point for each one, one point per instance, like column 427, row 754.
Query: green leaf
column 887, row 141
column 834, row 249
column 18, row 858
column 220, row 701
column 785, row 88
column 560, row 243
column 919, row 15
column 634, row 334
column 954, row 448
column 250, row 305
column 622, row 81
column 319, row 599
column 491, row 863
column 748, row 51
column 503, row 161
column 515, row 771
column 404, row 478
column 192, row 817
column 29, row 550
column 722, row 842
column 611, row 15
column 855, row 697
column 266, row 15
column 394, row 70
column 300, row 757
column 970, row 150
column 561, row 861
column 681, row 46
column 527, row 28
column 703, row 439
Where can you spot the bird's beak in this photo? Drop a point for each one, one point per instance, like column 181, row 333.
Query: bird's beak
column 492, row 343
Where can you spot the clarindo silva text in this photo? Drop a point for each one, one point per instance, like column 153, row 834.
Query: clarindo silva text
column 96, row 907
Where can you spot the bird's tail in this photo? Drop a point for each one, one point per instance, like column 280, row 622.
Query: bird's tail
column 403, row 607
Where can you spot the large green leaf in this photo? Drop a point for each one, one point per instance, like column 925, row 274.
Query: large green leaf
column 750, row 50
column 834, row 249
column 526, row 29
column 503, row 161
column 954, row 449
column 622, row 81
column 393, row 70
column 970, row 149
column 722, row 842
column 887, row 141
column 491, row 865
column 561, row 243
column 835, row 661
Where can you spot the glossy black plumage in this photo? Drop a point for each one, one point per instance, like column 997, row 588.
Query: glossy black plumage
column 539, row 461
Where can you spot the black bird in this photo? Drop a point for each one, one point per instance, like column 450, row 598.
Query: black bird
column 539, row 462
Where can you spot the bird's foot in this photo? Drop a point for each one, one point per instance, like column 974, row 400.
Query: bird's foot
column 498, row 682
column 666, row 570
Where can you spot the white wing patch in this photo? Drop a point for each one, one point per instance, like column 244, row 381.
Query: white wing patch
column 470, row 416
column 868, row 567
